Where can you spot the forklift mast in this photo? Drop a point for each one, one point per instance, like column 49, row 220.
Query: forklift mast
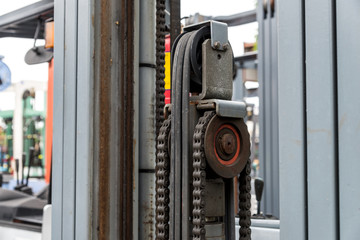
column 203, row 143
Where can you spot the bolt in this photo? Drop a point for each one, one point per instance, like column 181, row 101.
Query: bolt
column 227, row 143
column 225, row 46
column 117, row 23
column 217, row 45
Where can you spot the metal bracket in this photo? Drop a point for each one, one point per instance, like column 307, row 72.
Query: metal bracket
column 224, row 108
column 216, row 74
column 219, row 33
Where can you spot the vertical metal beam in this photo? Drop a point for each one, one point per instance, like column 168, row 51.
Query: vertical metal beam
column 175, row 25
column 126, row 149
column 57, row 186
column 268, row 91
column 94, row 122
column 292, row 137
column 103, row 90
column 115, row 79
column 261, row 75
column 69, row 138
column 321, row 132
column 274, row 174
column 266, row 125
column 65, row 82
column 136, row 118
column 113, row 59
column 147, row 137
column 84, row 124
column 348, row 53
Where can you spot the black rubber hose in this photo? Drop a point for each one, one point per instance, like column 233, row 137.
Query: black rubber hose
column 176, row 125
column 186, row 73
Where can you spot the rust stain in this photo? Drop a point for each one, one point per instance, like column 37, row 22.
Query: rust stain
column 342, row 121
column 126, row 148
column 320, row 130
column 328, row 132
column 104, row 124
column 149, row 218
column 134, row 184
column 297, row 142
column 123, row 58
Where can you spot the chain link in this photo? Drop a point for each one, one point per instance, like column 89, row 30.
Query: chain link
column 199, row 176
column 162, row 130
column 244, row 181
column 162, row 181
column 160, row 62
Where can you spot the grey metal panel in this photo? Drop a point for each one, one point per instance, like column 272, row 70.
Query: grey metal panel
column 147, row 86
column 57, row 163
column 147, row 30
column 262, row 229
column 265, row 223
column 69, row 138
column 291, row 120
column 147, row 116
column 84, row 124
column 321, row 145
column 265, row 233
column 147, row 211
column 348, row 52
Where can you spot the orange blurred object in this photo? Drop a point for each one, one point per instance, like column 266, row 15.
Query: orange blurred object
column 49, row 122
column 49, row 34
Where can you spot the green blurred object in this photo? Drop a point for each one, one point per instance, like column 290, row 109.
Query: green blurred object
column 9, row 137
column 32, row 134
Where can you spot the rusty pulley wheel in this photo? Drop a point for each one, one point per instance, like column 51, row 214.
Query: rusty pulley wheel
column 227, row 146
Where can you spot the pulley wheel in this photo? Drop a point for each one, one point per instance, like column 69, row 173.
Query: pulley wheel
column 227, row 146
column 196, row 56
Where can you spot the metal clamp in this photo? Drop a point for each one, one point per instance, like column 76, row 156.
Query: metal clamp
column 217, row 69
column 223, row 108
column 219, row 33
